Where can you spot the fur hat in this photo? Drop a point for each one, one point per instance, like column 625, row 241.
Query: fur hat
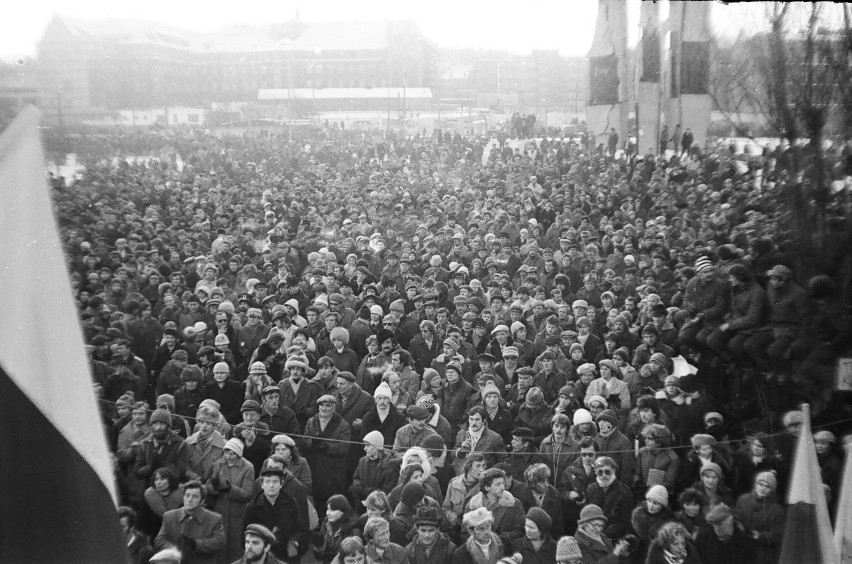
column 295, row 362
column 477, row 517
column 659, row 494
column 339, row 333
column 191, row 373
column 427, row 515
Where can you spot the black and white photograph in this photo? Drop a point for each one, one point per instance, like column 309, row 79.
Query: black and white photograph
column 376, row 282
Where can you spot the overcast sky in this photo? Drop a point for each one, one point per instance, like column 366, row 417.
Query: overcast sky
column 517, row 26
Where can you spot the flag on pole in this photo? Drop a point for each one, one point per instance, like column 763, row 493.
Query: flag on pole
column 56, row 482
column 843, row 523
column 807, row 533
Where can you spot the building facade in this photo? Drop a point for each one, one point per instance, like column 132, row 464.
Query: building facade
column 89, row 68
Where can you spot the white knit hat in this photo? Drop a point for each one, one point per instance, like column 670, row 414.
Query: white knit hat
column 383, row 390
column 374, row 438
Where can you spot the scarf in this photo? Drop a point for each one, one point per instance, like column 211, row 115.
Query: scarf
column 488, row 554
column 296, row 385
column 474, row 438
column 492, row 412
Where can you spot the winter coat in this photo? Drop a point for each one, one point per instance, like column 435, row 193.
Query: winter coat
column 617, row 503
column 738, row 549
column 388, row 428
column 230, row 398
column 546, row 554
column 304, row 403
column 509, row 516
column 283, row 517
column 327, row 458
column 407, row 438
column 765, row 517
column 205, row 528
column 153, row 456
column 199, row 460
column 422, row 354
column 469, row 553
column 749, row 306
column 789, row 309
column 455, row 398
column 658, row 459
column 282, row 421
column 646, row 525
column 371, row 475
column 558, row 461
column 710, row 298
column 231, row 505
column 356, row 405
column 440, row 553
column 596, row 551
column 536, row 419
column 619, row 448
column 490, row 442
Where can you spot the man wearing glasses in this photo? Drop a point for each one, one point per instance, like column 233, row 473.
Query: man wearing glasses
column 612, row 496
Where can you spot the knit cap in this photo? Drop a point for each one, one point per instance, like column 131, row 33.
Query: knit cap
column 712, row 467
column 567, row 549
column 235, row 445
column 374, row 438
column 383, row 390
column 659, row 494
column 541, row 519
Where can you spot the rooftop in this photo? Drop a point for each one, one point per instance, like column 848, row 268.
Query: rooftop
column 289, row 36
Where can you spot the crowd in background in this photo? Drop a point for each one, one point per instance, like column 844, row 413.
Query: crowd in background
column 358, row 346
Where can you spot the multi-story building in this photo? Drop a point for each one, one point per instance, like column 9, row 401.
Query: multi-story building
column 512, row 82
column 89, row 68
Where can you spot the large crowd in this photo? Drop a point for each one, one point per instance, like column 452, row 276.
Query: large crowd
column 367, row 347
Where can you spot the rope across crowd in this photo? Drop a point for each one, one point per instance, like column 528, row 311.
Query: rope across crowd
column 424, row 349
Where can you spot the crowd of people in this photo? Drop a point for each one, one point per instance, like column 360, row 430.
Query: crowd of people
column 366, row 347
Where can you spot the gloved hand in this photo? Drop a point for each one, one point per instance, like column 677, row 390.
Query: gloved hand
column 217, row 485
column 189, row 543
column 225, row 488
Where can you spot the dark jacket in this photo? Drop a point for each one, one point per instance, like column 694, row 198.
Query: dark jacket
column 229, row 397
column 617, row 505
column 440, row 553
column 388, row 428
column 205, row 528
column 546, row 554
column 594, row 551
column 304, row 403
column 282, row 517
column 371, row 475
column 748, row 307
